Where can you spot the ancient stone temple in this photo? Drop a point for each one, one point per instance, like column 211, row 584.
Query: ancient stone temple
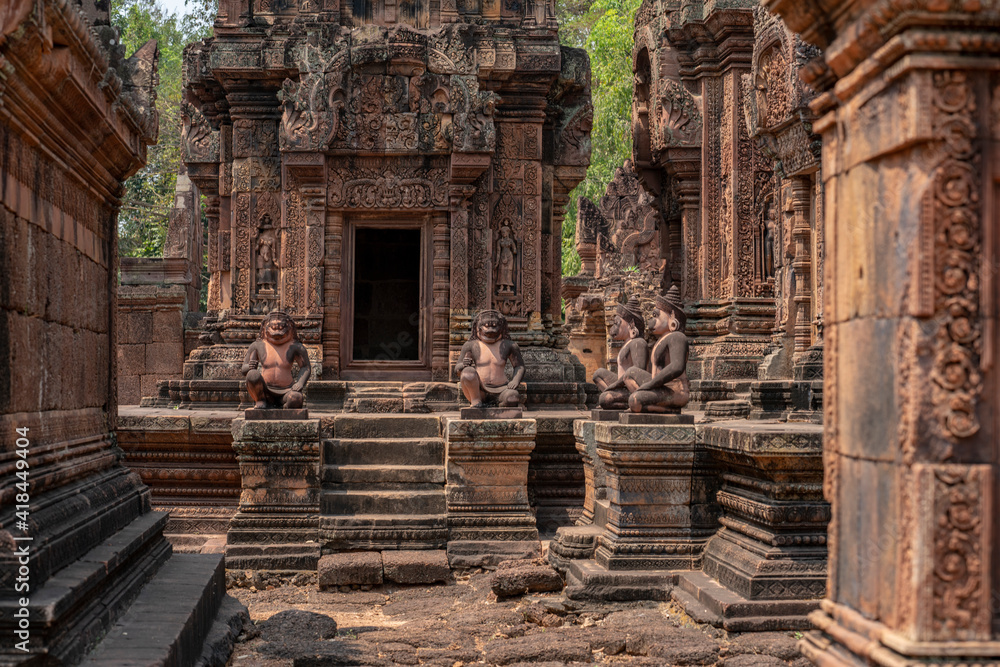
column 83, row 559
column 381, row 172
column 721, row 198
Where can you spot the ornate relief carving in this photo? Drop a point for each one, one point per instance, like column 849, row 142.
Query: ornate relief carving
column 955, row 510
column 200, row 141
column 376, row 183
column 311, row 107
column 952, row 204
column 676, row 116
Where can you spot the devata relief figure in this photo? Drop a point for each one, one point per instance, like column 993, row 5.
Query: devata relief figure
column 667, row 388
column 268, row 364
column 630, row 328
column 267, row 274
column 482, row 363
column 506, row 258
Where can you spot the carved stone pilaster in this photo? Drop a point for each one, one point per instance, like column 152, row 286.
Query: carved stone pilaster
column 907, row 118
column 276, row 526
column 487, row 477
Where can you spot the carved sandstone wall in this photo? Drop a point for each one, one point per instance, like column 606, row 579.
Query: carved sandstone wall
column 75, row 122
column 908, row 109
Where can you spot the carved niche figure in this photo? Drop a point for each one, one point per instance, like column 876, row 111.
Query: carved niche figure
column 765, row 251
column 268, row 364
column 629, row 327
column 482, row 363
column 667, row 388
column 267, row 269
column 506, row 262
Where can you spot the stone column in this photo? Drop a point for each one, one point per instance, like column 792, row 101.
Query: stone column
column 801, row 192
column 489, row 518
column 910, row 421
column 277, row 524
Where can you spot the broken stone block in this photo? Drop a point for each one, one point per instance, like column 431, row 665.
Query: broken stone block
column 520, row 577
column 343, row 569
column 416, row 567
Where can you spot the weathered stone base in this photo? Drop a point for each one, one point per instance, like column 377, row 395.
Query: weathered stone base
column 648, row 550
column 383, row 532
column 490, row 553
column 371, row 568
column 585, row 580
column 846, row 638
column 707, row 601
column 272, row 541
column 602, row 415
column 416, row 567
column 673, row 417
column 277, row 525
column 487, row 477
column 344, row 569
column 660, row 495
column 757, row 572
column 573, row 543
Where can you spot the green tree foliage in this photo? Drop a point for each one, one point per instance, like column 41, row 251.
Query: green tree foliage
column 605, row 29
column 149, row 195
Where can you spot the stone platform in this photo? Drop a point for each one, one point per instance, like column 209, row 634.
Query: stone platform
column 751, row 491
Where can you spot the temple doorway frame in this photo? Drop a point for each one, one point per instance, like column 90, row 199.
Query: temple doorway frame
column 362, row 369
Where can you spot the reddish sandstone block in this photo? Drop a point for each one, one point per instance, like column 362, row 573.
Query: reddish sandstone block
column 343, row 569
column 416, row 567
column 168, row 326
column 129, row 392
column 137, row 327
column 147, row 385
column 131, row 359
column 165, row 358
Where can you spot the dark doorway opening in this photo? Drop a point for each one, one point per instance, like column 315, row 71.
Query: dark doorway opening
column 386, row 294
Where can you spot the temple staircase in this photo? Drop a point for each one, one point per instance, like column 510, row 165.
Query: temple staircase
column 383, row 484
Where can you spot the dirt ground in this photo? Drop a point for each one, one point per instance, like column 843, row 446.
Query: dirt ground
column 464, row 623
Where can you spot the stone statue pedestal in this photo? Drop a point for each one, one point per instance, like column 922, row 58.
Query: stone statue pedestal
column 489, row 518
column 660, row 491
column 491, row 413
column 660, row 509
column 667, row 419
column 766, row 567
column 602, row 415
column 277, row 524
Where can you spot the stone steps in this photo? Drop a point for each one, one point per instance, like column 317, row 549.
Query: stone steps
column 426, row 476
column 383, row 480
column 386, row 426
column 384, row 451
column 162, row 626
column 708, row 601
column 398, row 502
